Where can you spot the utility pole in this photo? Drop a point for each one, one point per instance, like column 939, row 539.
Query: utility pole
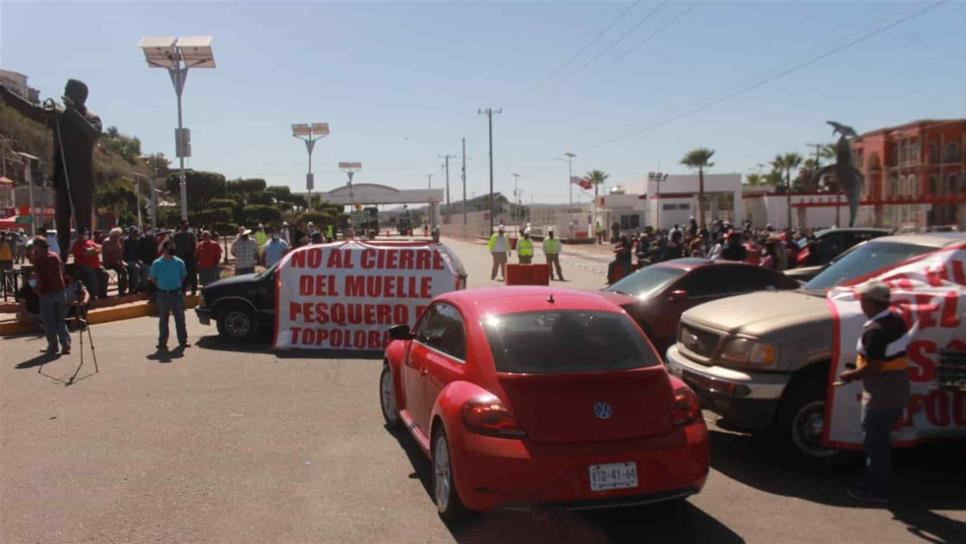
column 516, row 190
column 446, row 166
column 489, row 116
column 570, row 186
column 430, row 187
column 463, row 175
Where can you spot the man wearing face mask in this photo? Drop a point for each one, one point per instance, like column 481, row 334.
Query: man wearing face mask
column 168, row 274
column 275, row 249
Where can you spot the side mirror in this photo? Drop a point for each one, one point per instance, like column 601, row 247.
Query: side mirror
column 400, row 332
column 679, row 294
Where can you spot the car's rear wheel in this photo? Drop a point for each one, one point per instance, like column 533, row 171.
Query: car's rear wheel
column 387, row 399
column 448, row 503
column 237, row 322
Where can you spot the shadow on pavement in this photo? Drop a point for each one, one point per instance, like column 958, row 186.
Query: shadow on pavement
column 166, row 356
column 924, row 479
column 263, row 345
column 665, row 522
column 39, row 360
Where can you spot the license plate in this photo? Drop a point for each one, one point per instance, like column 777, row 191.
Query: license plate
column 613, row 476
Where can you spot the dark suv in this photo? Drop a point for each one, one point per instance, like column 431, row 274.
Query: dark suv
column 240, row 305
column 817, row 252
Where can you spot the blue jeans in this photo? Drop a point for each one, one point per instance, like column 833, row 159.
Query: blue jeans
column 877, row 426
column 53, row 311
column 171, row 302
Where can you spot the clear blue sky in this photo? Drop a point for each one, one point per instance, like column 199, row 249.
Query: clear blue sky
column 401, row 82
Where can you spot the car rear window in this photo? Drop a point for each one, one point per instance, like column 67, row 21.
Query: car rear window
column 647, row 280
column 563, row 342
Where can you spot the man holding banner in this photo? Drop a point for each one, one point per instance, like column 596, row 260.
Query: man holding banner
column 881, row 365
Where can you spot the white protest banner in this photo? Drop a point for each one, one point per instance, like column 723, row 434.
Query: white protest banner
column 346, row 295
column 929, row 292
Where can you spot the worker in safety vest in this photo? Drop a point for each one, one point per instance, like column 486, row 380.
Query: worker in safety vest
column 551, row 248
column 525, row 248
column 881, row 365
column 499, row 247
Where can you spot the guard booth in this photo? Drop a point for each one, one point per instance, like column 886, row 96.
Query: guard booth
column 371, row 194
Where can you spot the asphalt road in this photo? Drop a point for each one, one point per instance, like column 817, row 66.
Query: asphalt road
column 235, row 444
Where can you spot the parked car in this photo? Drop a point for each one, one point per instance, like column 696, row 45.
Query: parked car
column 535, row 396
column 240, row 305
column 815, row 253
column 762, row 360
column 657, row 295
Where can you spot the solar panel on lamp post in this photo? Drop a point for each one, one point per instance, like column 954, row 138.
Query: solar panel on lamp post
column 310, row 133
column 177, row 55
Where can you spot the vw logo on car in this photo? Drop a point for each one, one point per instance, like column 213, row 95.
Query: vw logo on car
column 603, row 410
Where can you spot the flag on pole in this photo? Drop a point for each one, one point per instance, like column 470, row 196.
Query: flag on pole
column 582, row 182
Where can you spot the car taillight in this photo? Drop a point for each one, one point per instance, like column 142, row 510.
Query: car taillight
column 491, row 418
column 686, row 408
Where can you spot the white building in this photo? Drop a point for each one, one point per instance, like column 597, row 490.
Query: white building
column 663, row 201
column 17, row 83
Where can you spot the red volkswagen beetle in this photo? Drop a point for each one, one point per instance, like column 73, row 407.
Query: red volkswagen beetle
column 529, row 397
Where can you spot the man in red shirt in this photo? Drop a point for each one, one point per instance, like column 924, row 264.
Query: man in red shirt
column 53, row 296
column 208, row 255
column 87, row 258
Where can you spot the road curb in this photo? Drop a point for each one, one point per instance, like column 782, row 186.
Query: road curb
column 100, row 315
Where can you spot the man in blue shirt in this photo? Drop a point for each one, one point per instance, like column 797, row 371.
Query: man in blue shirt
column 168, row 274
column 275, row 249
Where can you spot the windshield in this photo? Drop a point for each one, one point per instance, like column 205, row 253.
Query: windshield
column 268, row 271
column 566, row 342
column 862, row 260
column 647, row 281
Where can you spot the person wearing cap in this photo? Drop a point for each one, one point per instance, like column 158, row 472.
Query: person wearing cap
column 525, row 248
column 112, row 255
column 499, row 247
column 285, row 234
column 245, row 251
column 209, row 257
column 881, row 366
column 52, row 292
column 186, row 245
column 168, row 275
column 551, row 249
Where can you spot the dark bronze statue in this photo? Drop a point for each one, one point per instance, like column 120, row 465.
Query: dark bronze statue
column 75, row 132
column 849, row 177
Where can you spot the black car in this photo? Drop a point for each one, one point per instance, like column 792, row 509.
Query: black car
column 815, row 253
column 241, row 306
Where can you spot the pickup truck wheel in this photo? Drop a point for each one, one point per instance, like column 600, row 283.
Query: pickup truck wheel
column 237, row 322
column 803, row 420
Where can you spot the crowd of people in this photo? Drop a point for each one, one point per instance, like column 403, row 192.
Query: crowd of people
column 766, row 247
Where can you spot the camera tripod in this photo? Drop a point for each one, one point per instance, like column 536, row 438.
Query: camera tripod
column 82, row 325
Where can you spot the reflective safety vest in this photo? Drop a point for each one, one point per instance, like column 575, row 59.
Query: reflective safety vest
column 525, row 247
column 491, row 245
column 551, row 246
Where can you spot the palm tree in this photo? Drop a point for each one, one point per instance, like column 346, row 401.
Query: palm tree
column 787, row 163
column 699, row 158
column 596, row 178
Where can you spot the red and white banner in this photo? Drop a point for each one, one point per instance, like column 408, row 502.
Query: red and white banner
column 346, row 295
column 929, row 292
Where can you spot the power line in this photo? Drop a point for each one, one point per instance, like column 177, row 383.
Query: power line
column 768, row 79
column 613, row 44
column 648, row 38
column 587, row 46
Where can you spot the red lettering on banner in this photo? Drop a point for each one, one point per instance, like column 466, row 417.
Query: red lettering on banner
column 959, row 271
column 925, row 367
column 937, row 408
column 935, row 274
column 375, row 340
column 391, row 260
column 297, row 260
column 295, row 335
column 367, row 258
column 305, row 285
column 383, row 313
column 385, row 338
column 423, row 260
column 325, row 286
column 314, row 259
column 355, row 286
column 407, row 260
column 950, row 317
column 438, row 260
column 335, row 260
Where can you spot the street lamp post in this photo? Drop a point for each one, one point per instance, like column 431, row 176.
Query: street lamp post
column 177, row 55
column 350, row 168
column 570, row 187
column 310, row 133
